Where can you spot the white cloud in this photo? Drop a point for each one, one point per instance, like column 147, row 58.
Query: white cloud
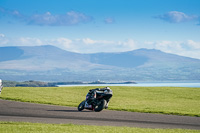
column 2, row 35
column 88, row 45
column 27, row 41
column 193, row 44
column 109, row 20
column 49, row 19
column 22, row 41
column 168, row 46
column 187, row 48
column 90, row 41
column 130, row 44
column 3, row 40
column 63, row 43
column 70, row 18
column 176, row 17
column 77, row 17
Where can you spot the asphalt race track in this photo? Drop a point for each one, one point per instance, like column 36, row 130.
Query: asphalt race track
column 30, row 112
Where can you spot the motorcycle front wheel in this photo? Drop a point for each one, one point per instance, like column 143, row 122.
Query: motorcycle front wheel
column 81, row 106
column 101, row 106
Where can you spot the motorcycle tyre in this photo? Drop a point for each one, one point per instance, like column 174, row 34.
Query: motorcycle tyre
column 101, row 106
column 81, row 106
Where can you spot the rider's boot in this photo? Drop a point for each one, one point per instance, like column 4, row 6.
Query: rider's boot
column 106, row 106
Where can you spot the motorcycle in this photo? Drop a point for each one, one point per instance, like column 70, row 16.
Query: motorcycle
column 96, row 100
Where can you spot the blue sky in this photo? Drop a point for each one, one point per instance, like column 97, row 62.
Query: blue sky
column 90, row 26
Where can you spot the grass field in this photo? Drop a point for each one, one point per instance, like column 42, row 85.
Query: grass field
column 166, row 100
column 20, row 127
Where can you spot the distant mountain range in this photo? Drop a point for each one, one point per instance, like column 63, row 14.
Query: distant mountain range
column 49, row 63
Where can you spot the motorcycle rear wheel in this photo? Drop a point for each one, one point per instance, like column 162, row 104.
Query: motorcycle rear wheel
column 101, row 106
column 81, row 106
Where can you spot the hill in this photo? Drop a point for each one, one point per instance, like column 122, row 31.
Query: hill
column 49, row 63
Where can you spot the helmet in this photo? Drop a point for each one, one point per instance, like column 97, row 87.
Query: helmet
column 107, row 88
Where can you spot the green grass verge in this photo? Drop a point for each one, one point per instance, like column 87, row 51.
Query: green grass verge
column 21, row 127
column 166, row 100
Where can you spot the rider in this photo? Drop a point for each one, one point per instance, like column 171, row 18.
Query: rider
column 105, row 90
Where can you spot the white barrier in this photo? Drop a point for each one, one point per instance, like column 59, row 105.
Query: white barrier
column 1, row 86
